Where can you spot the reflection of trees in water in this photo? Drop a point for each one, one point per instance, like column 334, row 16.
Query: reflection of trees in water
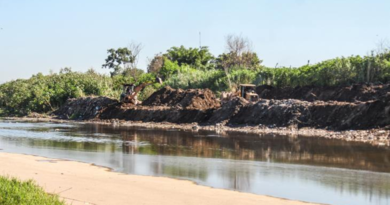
column 239, row 178
column 373, row 186
column 302, row 150
column 296, row 149
column 293, row 149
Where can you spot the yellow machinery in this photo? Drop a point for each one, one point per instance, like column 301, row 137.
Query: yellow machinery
column 247, row 91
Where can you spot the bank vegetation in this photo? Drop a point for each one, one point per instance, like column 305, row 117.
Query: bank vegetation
column 185, row 68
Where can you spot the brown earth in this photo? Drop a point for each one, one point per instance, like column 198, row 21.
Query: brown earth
column 353, row 93
column 359, row 107
column 319, row 114
column 84, row 108
column 187, row 99
column 155, row 114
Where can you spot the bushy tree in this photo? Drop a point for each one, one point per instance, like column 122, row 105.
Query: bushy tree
column 124, row 60
column 199, row 58
column 248, row 60
column 239, row 54
column 117, row 60
column 155, row 64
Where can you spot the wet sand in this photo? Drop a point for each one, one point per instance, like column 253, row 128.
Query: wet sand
column 81, row 183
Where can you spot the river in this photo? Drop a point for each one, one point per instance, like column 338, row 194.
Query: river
column 310, row 169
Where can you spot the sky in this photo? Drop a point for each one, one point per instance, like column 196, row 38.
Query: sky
column 44, row 36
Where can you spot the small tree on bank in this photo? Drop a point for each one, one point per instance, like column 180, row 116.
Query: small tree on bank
column 124, row 60
column 239, row 55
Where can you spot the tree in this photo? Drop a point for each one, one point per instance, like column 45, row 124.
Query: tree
column 199, row 58
column 155, row 64
column 134, row 73
column 117, row 60
column 239, row 54
column 135, row 49
column 124, row 59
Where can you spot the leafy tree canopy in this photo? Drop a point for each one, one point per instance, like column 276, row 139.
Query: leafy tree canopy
column 248, row 60
column 199, row 58
column 118, row 59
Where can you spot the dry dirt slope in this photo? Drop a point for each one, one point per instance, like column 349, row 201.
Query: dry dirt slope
column 358, row 110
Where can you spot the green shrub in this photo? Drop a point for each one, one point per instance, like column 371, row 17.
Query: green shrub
column 14, row 191
column 191, row 78
column 43, row 93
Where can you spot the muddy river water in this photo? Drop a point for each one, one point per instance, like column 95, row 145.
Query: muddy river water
column 311, row 169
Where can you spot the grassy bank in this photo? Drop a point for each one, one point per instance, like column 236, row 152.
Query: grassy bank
column 46, row 93
column 14, row 191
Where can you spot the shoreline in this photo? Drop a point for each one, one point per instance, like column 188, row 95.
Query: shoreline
column 83, row 183
column 376, row 137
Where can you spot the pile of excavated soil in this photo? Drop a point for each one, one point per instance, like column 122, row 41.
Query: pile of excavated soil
column 201, row 106
column 319, row 114
column 353, row 93
column 187, row 99
column 84, row 108
column 156, row 114
column 227, row 110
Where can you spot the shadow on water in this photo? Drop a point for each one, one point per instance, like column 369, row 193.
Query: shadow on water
column 294, row 167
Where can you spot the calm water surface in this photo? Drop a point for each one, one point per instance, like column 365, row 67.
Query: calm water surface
column 301, row 168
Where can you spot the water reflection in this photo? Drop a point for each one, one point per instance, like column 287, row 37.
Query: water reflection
column 233, row 161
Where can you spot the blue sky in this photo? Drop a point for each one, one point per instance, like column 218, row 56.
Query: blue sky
column 39, row 36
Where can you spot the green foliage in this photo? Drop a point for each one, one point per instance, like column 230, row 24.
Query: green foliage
column 116, row 60
column 241, row 76
column 150, row 89
column 248, row 60
column 339, row 71
column 192, row 78
column 134, row 73
column 147, row 92
column 170, row 68
column 45, row 93
column 216, row 80
column 180, row 69
column 146, row 78
column 156, row 64
column 14, row 191
column 199, row 58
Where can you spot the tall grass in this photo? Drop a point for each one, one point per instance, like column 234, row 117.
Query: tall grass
column 339, row 71
column 16, row 192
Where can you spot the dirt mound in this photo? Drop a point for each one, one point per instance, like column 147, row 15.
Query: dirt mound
column 319, row 114
column 353, row 93
column 357, row 107
column 156, row 114
column 84, row 108
column 187, row 99
column 227, row 110
column 271, row 113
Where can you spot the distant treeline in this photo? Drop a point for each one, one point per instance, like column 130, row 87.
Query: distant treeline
column 185, row 68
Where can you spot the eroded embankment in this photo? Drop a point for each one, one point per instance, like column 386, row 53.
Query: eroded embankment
column 319, row 114
column 202, row 106
column 353, row 93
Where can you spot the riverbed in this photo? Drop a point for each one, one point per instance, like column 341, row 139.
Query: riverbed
column 310, row 169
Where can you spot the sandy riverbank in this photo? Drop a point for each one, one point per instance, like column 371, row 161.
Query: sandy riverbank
column 81, row 183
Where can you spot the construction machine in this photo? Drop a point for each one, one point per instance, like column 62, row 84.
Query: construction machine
column 247, row 91
column 130, row 91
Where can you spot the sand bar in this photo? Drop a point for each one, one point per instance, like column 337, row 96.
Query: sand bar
column 81, row 183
